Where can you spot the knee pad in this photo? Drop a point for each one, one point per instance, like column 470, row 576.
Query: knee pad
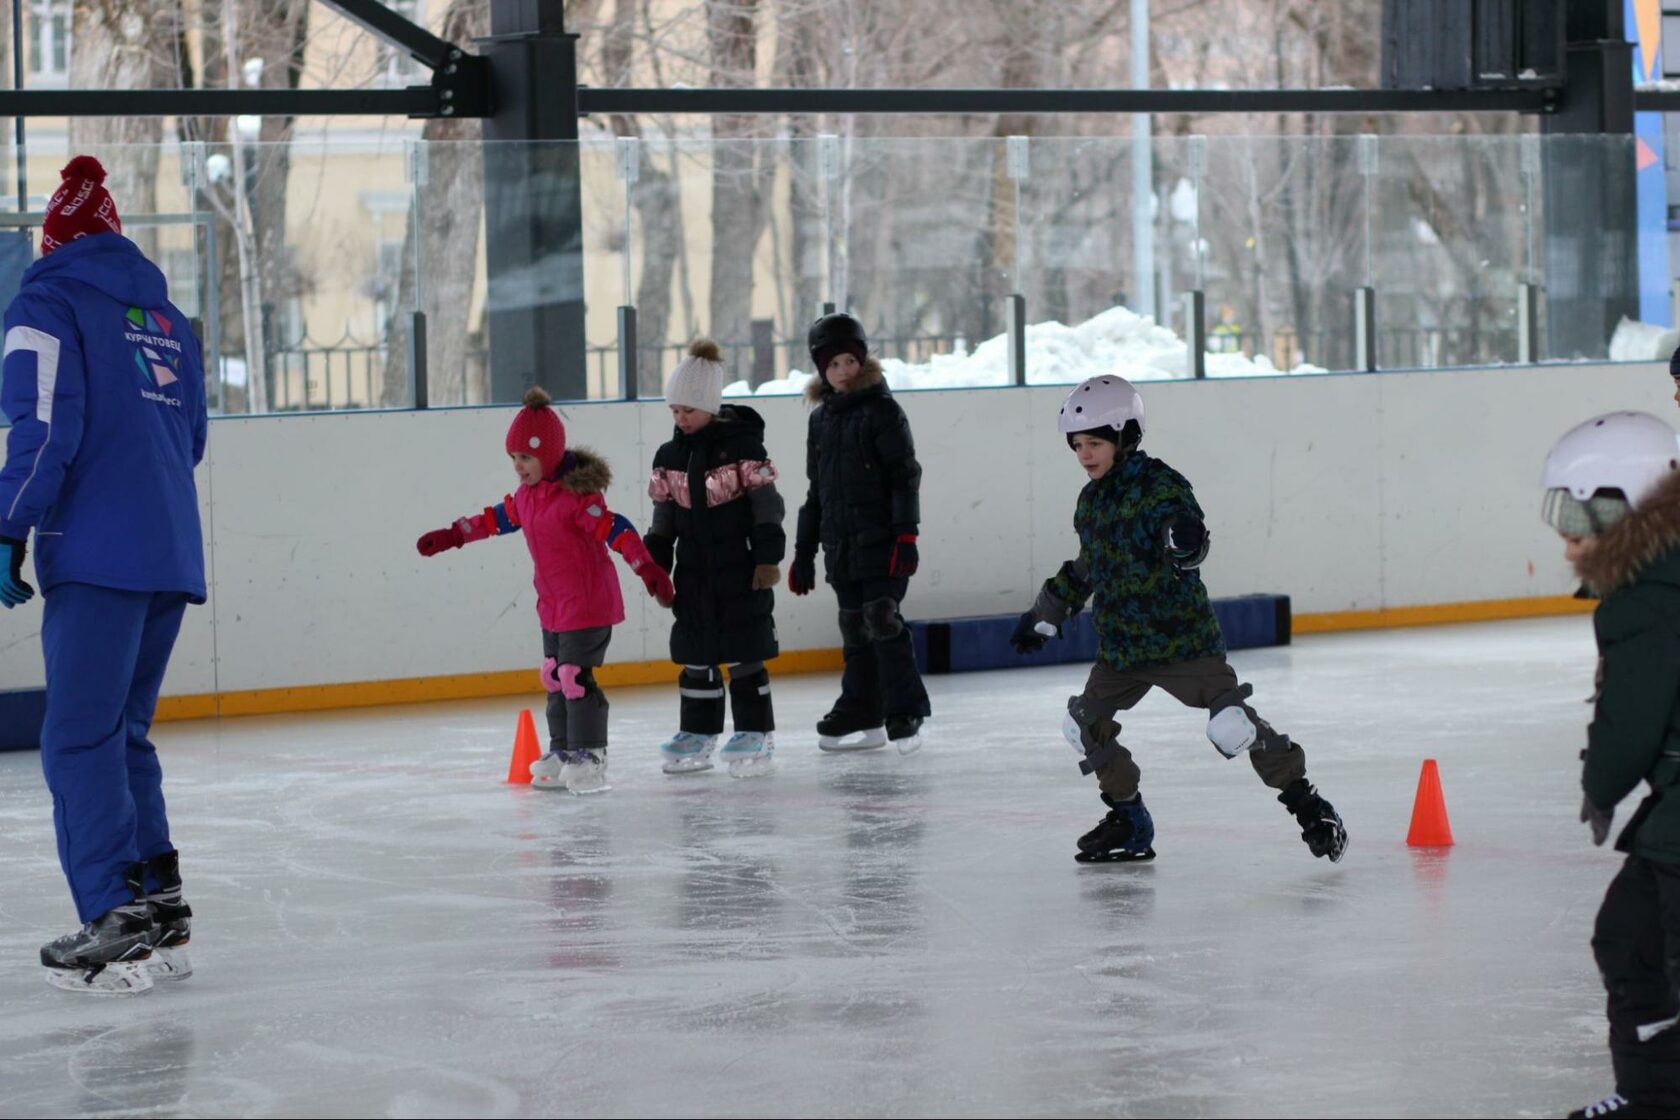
column 1234, row 727
column 881, row 620
column 1084, row 728
column 853, row 632
column 565, row 679
column 701, row 704
column 700, row 684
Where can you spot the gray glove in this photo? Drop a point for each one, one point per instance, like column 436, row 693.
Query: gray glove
column 1598, row 818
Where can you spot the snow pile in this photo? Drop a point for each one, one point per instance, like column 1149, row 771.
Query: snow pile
column 1642, row 342
column 1117, row 341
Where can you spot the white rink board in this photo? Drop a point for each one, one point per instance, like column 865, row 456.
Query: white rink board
column 1346, row 492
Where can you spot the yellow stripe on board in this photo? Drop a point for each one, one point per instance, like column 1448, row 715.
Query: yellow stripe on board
column 1485, row 610
column 419, row 690
column 520, row 682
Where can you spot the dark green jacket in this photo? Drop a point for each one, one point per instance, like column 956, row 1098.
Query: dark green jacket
column 1635, row 731
column 1148, row 611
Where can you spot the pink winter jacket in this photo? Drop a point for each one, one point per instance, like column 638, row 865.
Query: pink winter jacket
column 566, row 524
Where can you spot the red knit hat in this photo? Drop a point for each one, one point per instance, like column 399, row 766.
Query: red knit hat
column 537, row 431
column 81, row 207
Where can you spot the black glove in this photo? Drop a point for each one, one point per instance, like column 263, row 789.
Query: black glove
column 662, row 549
column 1598, row 818
column 802, row 574
column 1027, row 637
column 14, row 591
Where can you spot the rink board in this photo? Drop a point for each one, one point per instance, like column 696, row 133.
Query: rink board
column 21, row 711
column 966, row 645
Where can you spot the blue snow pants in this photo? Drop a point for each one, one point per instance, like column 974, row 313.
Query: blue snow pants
column 106, row 652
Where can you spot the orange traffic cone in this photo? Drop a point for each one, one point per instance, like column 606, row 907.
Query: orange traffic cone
column 525, row 750
column 1429, row 812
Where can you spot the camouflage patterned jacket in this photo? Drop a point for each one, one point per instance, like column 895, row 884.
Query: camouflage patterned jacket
column 1148, row 611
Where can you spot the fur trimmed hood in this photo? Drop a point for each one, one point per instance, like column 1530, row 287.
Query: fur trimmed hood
column 1633, row 544
column 818, row 389
column 582, row 471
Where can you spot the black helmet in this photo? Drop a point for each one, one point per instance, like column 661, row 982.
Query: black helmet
column 834, row 334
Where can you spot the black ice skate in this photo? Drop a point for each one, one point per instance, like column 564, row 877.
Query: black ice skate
column 905, row 733
column 1622, row 1108
column 171, row 920
column 1123, row 836
column 1321, row 825
column 105, row 956
column 834, row 732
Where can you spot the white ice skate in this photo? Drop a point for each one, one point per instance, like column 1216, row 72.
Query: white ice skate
column 905, row 732
column 749, row 754
column 843, row 731
column 546, row 771
column 585, row 772
column 687, row 753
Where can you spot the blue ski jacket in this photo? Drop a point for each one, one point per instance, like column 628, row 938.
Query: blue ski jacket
column 103, row 384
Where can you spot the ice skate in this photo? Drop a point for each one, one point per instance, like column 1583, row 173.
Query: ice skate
column 749, row 753
column 171, row 920
column 585, row 771
column 687, row 753
column 1123, row 836
column 1321, row 825
column 106, row 956
column 1622, row 1108
column 841, row 731
column 905, row 733
column 545, row 771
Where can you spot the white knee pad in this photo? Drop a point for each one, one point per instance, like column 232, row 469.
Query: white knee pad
column 1232, row 731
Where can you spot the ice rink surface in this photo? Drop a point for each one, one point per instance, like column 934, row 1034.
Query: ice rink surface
column 385, row 929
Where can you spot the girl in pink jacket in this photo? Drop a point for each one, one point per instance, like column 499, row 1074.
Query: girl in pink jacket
column 568, row 528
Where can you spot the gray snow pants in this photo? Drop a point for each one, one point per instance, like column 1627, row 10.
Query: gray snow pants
column 1195, row 684
column 578, row 724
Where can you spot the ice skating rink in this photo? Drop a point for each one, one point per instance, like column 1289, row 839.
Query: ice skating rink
column 383, row 928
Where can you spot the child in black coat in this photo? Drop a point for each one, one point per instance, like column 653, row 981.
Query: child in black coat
column 862, row 508
column 718, row 517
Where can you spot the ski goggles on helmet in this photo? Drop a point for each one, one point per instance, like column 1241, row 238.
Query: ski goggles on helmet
column 1592, row 517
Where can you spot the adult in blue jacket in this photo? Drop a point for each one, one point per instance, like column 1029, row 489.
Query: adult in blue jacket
column 103, row 384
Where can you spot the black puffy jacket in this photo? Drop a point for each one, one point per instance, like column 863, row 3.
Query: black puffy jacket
column 715, row 501
column 860, row 461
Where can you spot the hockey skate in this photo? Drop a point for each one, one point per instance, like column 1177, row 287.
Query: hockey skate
column 545, row 771
column 585, row 771
column 1123, row 836
column 1321, row 825
column 749, row 753
column 1618, row 1106
column 171, row 920
column 905, row 733
column 107, row 956
column 687, row 753
column 835, row 732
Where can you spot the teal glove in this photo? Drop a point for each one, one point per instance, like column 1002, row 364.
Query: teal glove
column 14, row 592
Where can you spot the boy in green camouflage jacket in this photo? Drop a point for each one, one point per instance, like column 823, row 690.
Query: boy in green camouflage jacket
column 1141, row 538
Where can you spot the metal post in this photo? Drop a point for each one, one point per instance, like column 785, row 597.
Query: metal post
column 1015, row 313
column 1195, row 333
column 1143, row 170
column 629, row 383
column 1528, row 324
column 418, row 383
column 533, row 205
column 1674, row 302
column 763, row 352
column 1365, row 329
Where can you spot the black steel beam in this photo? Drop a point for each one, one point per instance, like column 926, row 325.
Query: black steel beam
column 415, row 101
column 394, row 30
column 1656, row 101
column 961, row 101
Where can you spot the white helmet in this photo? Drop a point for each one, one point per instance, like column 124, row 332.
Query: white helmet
column 1628, row 452
column 1101, row 402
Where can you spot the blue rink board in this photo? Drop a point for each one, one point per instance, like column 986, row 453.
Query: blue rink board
column 963, row 645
